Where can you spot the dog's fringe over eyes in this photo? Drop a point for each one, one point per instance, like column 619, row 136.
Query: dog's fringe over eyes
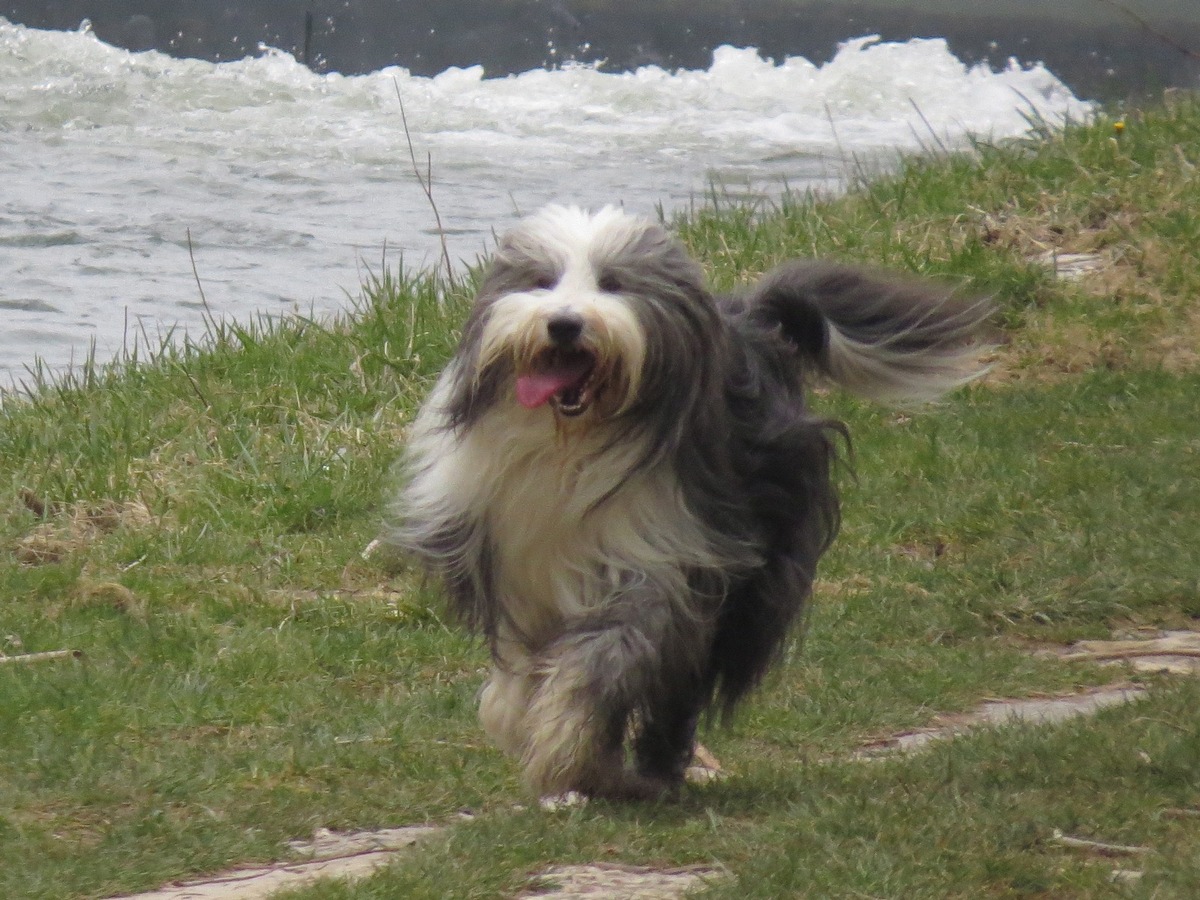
column 619, row 483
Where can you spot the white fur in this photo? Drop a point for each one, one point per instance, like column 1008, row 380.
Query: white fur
column 576, row 244
column 552, row 562
column 574, row 239
column 517, row 324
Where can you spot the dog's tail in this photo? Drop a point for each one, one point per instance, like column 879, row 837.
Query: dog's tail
column 883, row 336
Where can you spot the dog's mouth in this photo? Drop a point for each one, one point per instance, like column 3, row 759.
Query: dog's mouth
column 562, row 377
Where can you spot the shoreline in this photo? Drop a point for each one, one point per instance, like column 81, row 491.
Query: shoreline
column 193, row 528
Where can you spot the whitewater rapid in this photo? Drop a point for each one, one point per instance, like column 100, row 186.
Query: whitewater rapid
column 287, row 183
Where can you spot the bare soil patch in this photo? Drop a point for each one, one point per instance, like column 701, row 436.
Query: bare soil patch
column 1168, row 652
column 606, row 881
column 327, row 855
column 1172, row 652
column 1033, row 711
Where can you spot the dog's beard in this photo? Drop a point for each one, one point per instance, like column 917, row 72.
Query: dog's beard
column 580, row 353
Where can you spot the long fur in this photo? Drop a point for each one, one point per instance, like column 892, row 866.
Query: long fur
column 619, row 482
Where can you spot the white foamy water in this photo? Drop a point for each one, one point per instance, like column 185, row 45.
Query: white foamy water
column 288, row 181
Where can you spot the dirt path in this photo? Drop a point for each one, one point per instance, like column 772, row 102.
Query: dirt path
column 327, row 855
column 606, row 881
column 1036, row 711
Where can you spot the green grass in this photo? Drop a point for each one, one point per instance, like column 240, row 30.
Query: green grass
column 193, row 523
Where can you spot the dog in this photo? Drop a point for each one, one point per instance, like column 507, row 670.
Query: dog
column 618, row 481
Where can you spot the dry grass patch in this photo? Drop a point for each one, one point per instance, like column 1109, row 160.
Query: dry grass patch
column 69, row 529
column 1115, row 318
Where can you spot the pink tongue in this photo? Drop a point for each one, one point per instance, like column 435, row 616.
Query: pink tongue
column 536, row 388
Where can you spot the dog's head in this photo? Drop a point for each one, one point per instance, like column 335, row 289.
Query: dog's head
column 587, row 318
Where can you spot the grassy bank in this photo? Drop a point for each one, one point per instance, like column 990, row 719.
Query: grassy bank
column 194, row 526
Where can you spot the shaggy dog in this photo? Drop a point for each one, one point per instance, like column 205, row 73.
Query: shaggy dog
column 618, row 481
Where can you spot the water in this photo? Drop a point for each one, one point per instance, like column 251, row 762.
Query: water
column 118, row 168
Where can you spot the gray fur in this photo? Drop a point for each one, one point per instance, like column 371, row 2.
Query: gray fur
column 645, row 561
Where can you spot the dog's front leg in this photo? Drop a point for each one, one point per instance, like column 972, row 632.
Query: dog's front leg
column 631, row 656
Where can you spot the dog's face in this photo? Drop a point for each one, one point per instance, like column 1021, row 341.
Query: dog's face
column 557, row 315
column 586, row 316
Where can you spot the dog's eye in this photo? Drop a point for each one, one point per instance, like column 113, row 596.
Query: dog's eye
column 545, row 281
column 609, row 283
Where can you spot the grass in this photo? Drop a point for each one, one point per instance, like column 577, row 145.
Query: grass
column 193, row 523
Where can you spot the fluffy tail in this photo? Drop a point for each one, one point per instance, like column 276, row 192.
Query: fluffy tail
column 883, row 336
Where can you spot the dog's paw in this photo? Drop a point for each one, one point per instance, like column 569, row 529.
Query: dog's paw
column 704, row 767
column 558, row 802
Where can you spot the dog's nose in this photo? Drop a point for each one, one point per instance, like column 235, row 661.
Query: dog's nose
column 564, row 327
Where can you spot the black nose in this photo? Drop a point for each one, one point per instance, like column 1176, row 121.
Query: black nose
column 564, row 327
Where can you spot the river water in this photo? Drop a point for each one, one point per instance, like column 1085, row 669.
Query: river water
column 117, row 169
